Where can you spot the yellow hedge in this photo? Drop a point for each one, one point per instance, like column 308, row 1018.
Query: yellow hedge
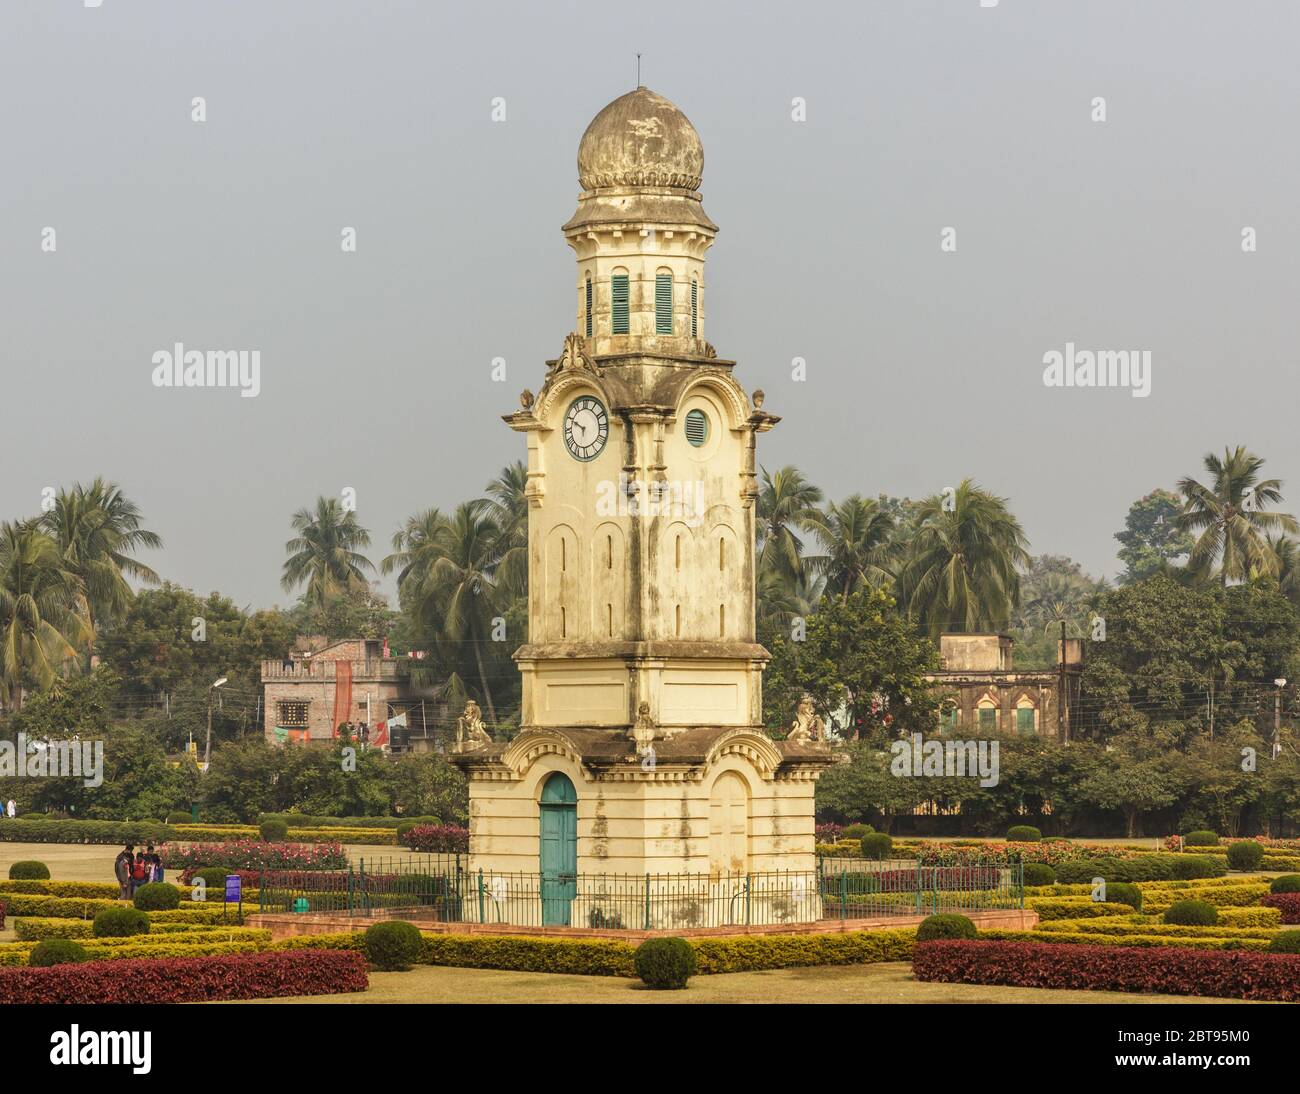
column 1080, row 938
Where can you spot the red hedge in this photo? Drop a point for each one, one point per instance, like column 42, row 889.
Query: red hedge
column 1235, row 974
column 1288, row 902
column 189, row 979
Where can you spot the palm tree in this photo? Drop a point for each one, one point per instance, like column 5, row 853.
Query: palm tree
column 781, row 601
column 1229, row 518
column 40, row 621
column 787, row 505
column 859, row 537
column 962, row 571
column 324, row 553
column 1286, row 552
column 1057, row 598
column 416, row 547
column 507, row 504
column 97, row 529
column 457, row 587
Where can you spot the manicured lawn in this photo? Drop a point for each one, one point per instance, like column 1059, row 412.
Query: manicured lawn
column 885, row 983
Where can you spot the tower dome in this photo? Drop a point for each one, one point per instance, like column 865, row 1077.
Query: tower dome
column 640, row 139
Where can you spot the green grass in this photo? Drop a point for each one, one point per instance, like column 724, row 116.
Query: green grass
column 885, row 983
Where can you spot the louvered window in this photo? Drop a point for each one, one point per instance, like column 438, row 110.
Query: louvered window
column 695, row 307
column 588, row 307
column 618, row 303
column 1025, row 721
column 663, row 303
column 697, row 427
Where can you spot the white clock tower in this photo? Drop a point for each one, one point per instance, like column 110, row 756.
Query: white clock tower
column 642, row 680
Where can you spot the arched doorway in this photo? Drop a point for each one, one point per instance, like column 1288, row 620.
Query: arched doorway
column 559, row 849
column 729, row 825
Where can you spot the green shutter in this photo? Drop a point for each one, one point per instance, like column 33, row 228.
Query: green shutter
column 618, row 303
column 695, row 307
column 988, row 718
column 697, row 427
column 588, row 307
column 663, row 303
column 1025, row 721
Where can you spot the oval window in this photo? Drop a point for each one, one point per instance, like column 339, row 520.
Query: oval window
column 697, row 427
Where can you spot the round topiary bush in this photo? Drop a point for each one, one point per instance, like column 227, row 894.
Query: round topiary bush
column 1285, row 942
column 214, row 877
column 157, row 896
column 665, row 963
column 876, row 845
column 180, row 818
column 64, row 951
column 119, row 923
column 29, row 870
column 1202, row 838
column 1024, row 833
column 1192, row 867
column 1287, row 883
column 1245, row 855
column 1121, row 892
column 945, row 925
column 273, row 829
column 1039, row 873
column 393, row 945
column 856, row 831
column 1192, row 913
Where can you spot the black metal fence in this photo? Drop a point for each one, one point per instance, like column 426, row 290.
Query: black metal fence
column 443, row 888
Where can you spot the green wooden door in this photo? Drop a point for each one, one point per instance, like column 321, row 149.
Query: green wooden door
column 559, row 851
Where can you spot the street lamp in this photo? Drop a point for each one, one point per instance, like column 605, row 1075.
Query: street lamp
column 1277, row 716
column 207, row 745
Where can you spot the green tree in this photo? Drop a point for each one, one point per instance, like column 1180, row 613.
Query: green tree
column 1230, row 519
column 860, row 549
column 1151, row 539
column 98, row 530
column 40, row 622
column 962, row 571
column 325, row 554
column 787, row 508
column 862, row 664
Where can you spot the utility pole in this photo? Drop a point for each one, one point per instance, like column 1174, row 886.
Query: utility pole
column 1277, row 717
column 1060, row 693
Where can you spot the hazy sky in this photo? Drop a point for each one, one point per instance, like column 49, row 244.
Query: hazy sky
column 924, row 367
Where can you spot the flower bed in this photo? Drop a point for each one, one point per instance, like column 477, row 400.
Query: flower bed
column 1171, row 970
column 255, row 855
column 437, row 839
column 1288, row 904
column 188, row 979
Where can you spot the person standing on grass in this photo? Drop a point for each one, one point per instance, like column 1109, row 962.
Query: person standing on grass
column 11, row 810
column 122, row 870
column 139, row 872
column 155, row 863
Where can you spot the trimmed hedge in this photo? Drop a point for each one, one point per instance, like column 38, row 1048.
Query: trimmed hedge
column 1201, row 838
column 157, row 896
column 1038, row 873
column 29, row 870
column 1172, row 970
column 1287, row 883
column 119, row 923
column 1024, row 833
column 189, row 979
column 1285, row 942
column 1150, row 925
column 1121, row 892
column 665, row 964
column 1245, row 855
column 945, row 925
column 600, row 957
column 1156, row 866
column 393, row 945
column 876, row 845
column 1192, row 913
column 1288, row 904
column 24, row 830
column 56, row 951
column 856, row 831
column 273, row 829
column 1072, row 907
column 1135, row 940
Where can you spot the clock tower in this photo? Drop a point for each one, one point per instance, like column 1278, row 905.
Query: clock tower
column 642, row 678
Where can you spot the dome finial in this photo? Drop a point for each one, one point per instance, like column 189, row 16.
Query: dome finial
column 640, row 139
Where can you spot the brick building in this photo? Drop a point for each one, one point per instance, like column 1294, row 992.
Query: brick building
column 984, row 692
column 309, row 692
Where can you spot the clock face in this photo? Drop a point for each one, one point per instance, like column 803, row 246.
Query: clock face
column 586, row 428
